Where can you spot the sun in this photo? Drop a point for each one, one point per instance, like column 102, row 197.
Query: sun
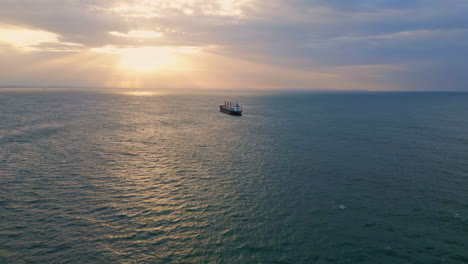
column 150, row 59
column 146, row 59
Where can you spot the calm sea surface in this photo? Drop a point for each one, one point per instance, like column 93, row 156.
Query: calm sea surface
column 143, row 177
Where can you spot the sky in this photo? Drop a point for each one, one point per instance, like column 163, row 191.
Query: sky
column 378, row 45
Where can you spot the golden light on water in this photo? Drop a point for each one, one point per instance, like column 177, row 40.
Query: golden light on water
column 142, row 93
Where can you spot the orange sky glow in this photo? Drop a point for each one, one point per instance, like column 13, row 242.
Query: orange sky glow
column 216, row 44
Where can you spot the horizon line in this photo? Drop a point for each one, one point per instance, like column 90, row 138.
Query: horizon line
column 221, row 89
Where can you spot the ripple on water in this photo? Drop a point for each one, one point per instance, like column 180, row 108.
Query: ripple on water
column 112, row 178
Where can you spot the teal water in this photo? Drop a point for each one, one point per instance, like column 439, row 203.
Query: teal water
column 115, row 177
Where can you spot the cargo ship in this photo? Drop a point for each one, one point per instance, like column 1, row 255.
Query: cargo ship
column 228, row 108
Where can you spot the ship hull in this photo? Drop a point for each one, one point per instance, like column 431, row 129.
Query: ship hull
column 229, row 111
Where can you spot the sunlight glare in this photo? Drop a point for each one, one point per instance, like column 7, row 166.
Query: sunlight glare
column 147, row 58
column 141, row 93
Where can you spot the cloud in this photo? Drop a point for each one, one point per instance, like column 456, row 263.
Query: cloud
column 164, row 8
column 26, row 39
column 140, row 34
column 364, row 43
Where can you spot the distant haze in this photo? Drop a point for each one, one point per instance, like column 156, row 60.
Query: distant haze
column 226, row 44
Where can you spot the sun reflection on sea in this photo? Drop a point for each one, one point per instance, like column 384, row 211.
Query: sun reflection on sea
column 141, row 93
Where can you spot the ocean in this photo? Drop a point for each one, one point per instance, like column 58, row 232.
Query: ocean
column 143, row 176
